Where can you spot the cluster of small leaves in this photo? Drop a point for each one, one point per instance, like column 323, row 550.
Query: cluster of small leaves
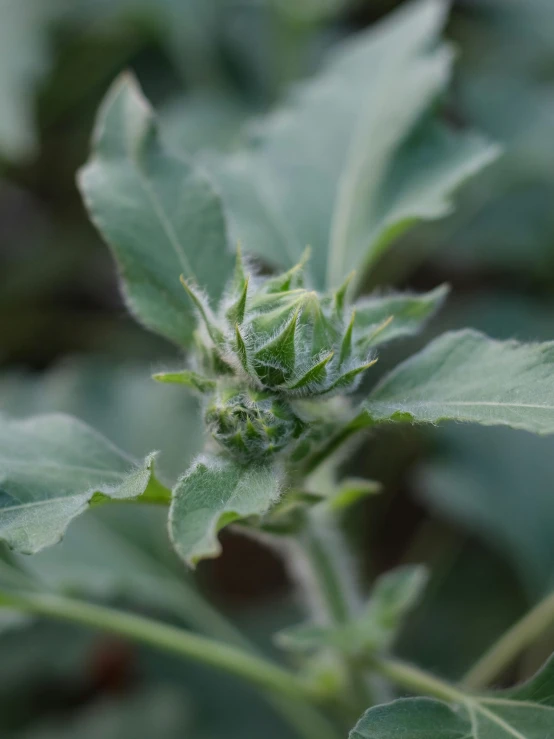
column 271, row 342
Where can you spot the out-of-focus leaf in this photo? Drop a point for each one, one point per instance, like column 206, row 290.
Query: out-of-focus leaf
column 499, row 484
column 465, row 376
column 50, row 469
column 212, row 494
column 354, row 157
column 25, row 60
column 383, row 318
column 155, row 711
column 116, row 552
column 158, row 212
column 392, row 597
column 525, row 713
column 120, row 400
column 350, row 491
column 202, row 120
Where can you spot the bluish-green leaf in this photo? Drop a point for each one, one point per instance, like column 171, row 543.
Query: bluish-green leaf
column 24, row 27
column 382, row 318
column 50, row 469
column 395, row 593
column 212, row 494
column 157, row 211
column 355, row 155
column 466, row 376
column 524, row 713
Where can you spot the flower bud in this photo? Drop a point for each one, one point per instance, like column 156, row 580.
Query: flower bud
column 251, row 424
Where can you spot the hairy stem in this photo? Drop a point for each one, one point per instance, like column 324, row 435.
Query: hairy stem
column 358, row 423
column 329, row 580
column 262, row 673
column 512, row 643
column 416, row 680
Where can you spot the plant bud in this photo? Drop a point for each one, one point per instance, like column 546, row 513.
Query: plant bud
column 251, row 424
column 272, row 341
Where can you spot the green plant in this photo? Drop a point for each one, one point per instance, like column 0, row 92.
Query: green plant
column 283, row 364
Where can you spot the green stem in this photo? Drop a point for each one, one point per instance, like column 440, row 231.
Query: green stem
column 333, row 587
column 176, row 641
column 514, row 641
column 358, row 423
column 416, row 680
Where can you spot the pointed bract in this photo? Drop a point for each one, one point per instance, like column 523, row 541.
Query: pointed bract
column 203, row 308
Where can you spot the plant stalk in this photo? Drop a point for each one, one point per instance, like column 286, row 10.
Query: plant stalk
column 330, row 582
column 262, row 673
column 416, row 680
column 358, row 423
column 513, row 642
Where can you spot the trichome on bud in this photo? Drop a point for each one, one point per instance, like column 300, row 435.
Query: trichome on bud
column 271, row 344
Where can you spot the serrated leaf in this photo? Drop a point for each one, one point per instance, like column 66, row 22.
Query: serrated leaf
column 466, row 376
column 159, row 214
column 51, row 467
column 382, row 318
column 355, row 156
column 524, row 713
column 212, row 494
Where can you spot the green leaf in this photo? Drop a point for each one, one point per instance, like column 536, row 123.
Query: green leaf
column 524, row 713
column 466, row 376
column 51, row 467
column 25, row 61
column 212, row 494
column 393, row 596
column 350, row 491
column 382, row 318
column 159, row 214
column 188, row 378
column 355, row 156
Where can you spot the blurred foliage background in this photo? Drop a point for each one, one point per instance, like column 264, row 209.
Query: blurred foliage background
column 476, row 505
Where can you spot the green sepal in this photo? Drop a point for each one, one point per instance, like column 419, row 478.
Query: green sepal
column 240, row 277
column 346, row 346
column 290, row 280
column 188, row 378
column 281, row 350
column 349, row 377
column 215, row 333
column 339, row 296
column 315, row 375
column 241, row 350
column 235, row 313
